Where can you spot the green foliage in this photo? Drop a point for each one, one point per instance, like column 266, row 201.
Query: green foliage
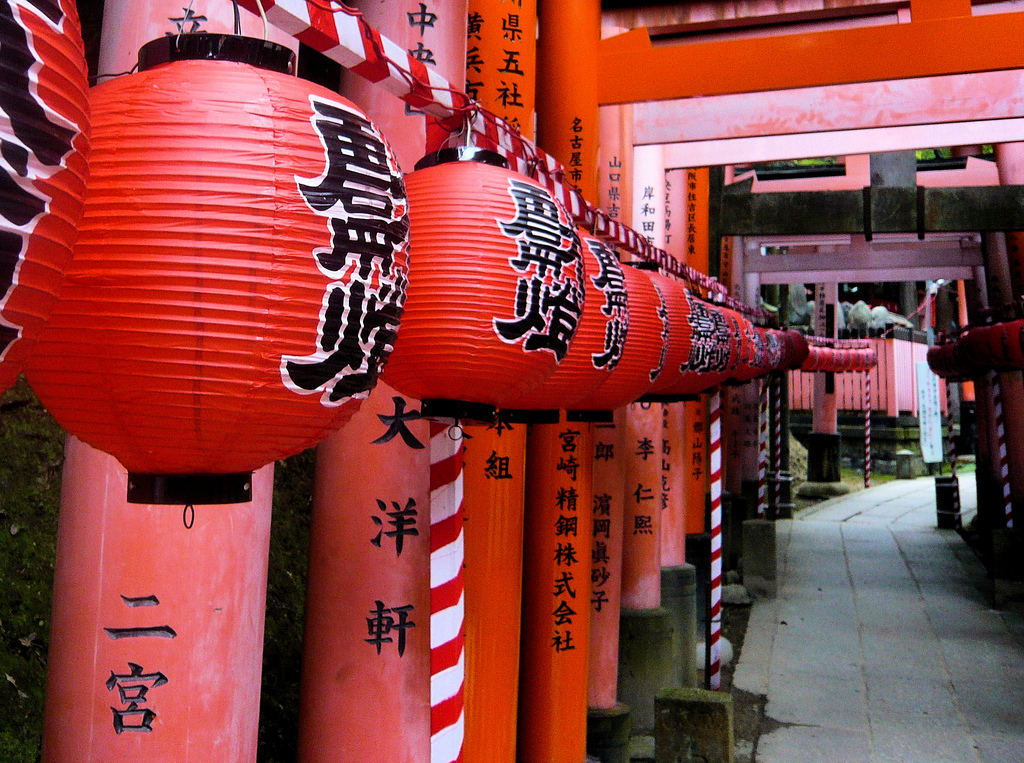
column 286, row 591
column 33, row 451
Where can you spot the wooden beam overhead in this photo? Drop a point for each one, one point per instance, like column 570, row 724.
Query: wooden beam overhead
column 632, row 69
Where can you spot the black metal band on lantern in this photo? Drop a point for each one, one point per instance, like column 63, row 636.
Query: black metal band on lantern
column 203, row 46
column 462, row 154
column 189, row 489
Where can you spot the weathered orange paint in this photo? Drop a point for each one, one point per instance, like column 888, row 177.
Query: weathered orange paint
column 927, row 10
column 501, row 60
column 606, row 561
column 493, row 505
column 553, row 669
column 201, row 591
column 695, row 445
column 630, row 69
column 347, row 688
column 567, row 85
column 641, row 544
column 673, row 485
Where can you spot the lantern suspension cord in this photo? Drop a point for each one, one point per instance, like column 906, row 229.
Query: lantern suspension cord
column 263, row 15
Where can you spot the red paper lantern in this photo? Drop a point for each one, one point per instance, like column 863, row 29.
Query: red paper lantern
column 241, row 267
column 45, row 142
column 794, row 350
column 676, row 350
column 714, row 348
column 496, row 282
column 600, row 338
column 643, row 353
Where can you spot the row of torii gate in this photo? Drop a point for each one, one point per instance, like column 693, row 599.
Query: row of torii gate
column 713, row 101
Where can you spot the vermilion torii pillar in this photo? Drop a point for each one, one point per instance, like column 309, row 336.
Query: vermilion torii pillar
column 553, row 676
column 824, row 440
column 157, row 637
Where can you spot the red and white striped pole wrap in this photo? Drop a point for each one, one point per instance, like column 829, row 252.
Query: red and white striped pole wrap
column 867, row 428
column 1004, row 465
column 762, row 450
column 714, row 640
column 777, row 437
column 447, row 596
column 951, row 440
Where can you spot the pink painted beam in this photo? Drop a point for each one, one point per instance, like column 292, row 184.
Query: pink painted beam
column 893, row 103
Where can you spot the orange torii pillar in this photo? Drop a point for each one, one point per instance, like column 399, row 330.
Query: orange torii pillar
column 608, row 727
column 557, row 547
column 645, row 631
column 678, row 579
column 823, row 443
column 157, row 635
column 494, row 485
column 366, row 650
column 1010, row 161
column 500, row 72
column 555, row 643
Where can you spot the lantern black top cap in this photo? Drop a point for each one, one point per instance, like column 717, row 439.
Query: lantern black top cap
column 462, row 154
column 203, row 46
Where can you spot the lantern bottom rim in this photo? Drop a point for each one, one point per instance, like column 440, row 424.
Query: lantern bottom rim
column 189, row 489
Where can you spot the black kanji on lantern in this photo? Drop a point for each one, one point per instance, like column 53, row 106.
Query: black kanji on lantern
column 612, row 283
column 663, row 315
column 363, row 195
column 33, row 147
column 549, row 295
column 709, row 351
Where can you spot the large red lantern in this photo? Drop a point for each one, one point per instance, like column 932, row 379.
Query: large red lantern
column 496, row 284
column 44, row 137
column 600, row 339
column 679, row 335
column 714, row 347
column 242, row 264
column 643, row 353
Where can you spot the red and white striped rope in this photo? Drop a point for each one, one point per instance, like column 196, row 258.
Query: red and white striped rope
column 867, row 428
column 777, row 437
column 1004, row 465
column 951, row 440
column 343, row 35
column 715, row 646
column 838, row 344
column 447, row 596
column 762, row 449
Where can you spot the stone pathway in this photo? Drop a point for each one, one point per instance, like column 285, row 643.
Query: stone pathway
column 881, row 645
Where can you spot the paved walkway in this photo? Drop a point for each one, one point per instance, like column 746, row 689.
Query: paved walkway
column 880, row 645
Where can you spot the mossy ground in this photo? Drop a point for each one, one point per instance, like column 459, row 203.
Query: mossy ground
column 31, row 457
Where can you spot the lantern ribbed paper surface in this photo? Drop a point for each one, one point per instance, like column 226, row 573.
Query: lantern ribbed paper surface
column 643, row 351
column 239, row 276
column 496, row 285
column 45, row 140
column 680, row 335
column 714, row 348
column 600, row 339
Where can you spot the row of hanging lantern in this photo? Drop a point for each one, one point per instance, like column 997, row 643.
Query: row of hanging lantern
column 839, row 359
column 242, row 265
column 978, row 350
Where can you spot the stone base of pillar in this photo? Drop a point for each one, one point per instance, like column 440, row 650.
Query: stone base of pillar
column 785, row 507
column 1007, row 566
column 645, row 662
column 694, row 724
column 608, row 733
column 679, row 597
column 759, row 567
column 821, row 490
column 823, row 451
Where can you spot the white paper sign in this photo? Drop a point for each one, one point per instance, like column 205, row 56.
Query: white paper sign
column 928, row 413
